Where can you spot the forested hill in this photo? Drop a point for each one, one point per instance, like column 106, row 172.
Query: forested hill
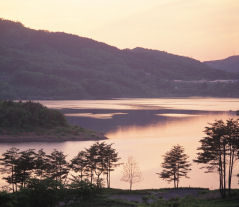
column 36, row 64
column 33, row 122
column 230, row 64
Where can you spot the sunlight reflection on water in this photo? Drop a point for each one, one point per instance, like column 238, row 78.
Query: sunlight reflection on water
column 147, row 143
column 207, row 104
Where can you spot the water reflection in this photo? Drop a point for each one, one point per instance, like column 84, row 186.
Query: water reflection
column 207, row 104
column 170, row 127
column 148, row 144
column 145, row 134
column 141, row 118
column 179, row 115
column 95, row 116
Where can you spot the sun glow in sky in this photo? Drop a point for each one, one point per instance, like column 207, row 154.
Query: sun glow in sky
column 202, row 29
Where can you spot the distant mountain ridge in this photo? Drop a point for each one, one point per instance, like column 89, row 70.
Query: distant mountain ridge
column 230, row 64
column 37, row 64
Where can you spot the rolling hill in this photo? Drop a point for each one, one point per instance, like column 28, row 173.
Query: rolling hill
column 37, row 64
column 230, row 64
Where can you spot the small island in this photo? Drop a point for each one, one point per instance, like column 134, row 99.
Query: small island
column 33, row 122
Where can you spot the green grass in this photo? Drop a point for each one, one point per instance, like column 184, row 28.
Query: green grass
column 112, row 191
column 190, row 202
column 103, row 200
column 207, row 201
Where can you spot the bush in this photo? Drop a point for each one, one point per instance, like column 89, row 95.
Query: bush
column 83, row 190
column 5, row 199
column 39, row 193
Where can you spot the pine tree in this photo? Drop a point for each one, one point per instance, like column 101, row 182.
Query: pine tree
column 175, row 165
column 218, row 151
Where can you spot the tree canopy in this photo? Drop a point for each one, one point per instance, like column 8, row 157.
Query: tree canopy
column 89, row 165
column 28, row 115
column 175, row 165
column 219, row 150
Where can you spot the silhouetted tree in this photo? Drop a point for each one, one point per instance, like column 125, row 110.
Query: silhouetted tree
column 175, row 165
column 218, row 150
column 25, row 164
column 79, row 164
column 58, row 168
column 131, row 172
column 232, row 131
column 94, row 162
column 106, row 159
column 8, row 166
column 98, row 159
column 91, row 156
column 111, row 161
column 42, row 164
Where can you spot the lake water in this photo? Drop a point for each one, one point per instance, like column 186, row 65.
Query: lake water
column 145, row 129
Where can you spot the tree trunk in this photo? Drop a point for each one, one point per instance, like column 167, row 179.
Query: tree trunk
column 81, row 175
column 98, row 180
column 224, row 170
column 220, row 169
column 91, row 177
column 24, row 178
column 109, row 179
column 178, row 175
column 12, row 181
column 230, row 170
column 174, row 180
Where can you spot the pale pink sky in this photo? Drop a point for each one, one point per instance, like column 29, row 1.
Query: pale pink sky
column 202, row 29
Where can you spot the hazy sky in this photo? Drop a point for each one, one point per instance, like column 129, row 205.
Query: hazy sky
column 202, row 29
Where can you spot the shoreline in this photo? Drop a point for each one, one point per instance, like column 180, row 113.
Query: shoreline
column 48, row 138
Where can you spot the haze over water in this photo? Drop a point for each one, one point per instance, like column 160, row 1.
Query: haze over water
column 145, row 129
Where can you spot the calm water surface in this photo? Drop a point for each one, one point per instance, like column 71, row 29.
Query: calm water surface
column 144, row 129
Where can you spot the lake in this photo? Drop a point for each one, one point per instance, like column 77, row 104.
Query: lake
column 145, row 129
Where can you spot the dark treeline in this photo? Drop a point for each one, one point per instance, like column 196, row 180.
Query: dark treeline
column 88, row 165
column 28, row 115
column 35, row 175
